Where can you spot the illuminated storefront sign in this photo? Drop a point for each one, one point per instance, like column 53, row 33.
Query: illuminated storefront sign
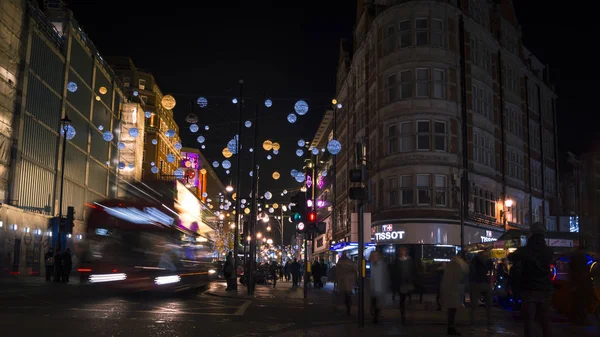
column 147, row 216
column 488, row 237
column 393, row 235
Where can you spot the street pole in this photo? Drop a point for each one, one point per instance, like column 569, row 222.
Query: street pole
column 281, row 223
column 65, row 127
column 252, row 222
column 334, row 179
column 462, row 212
column 305, row 253
column 238, row 213
column 361, row 158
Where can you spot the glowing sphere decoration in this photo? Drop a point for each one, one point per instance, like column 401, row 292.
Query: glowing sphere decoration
column 232, row 145
column 334, row 147
column 294, row 173
column 226, row 153
column 70, row 132
column 247, row 210
column 284, row 191
column 206, row 128
column 204, row 194
column 200, row 139
column 168, row 102
column 269, row 157
column 102, row 90
column 121, row 146
column 191, row 118
column 72, row 86
column 276, row 175
column 121, row 165
column 170, row 133
column 179, row 173
column 292, row 118
column 170, row 158
column 226, row 164
column 301, row 108
column 271, row 210
column 268, row 195
column 152, row 164
column 154, row 169
column 300, row 178
column 135, row 93
column 194, row 128
column 100, row 127
column 227, row 171
column 98, row 98
column 267, row 145
column 154, row 141
column 324, row 173
column 299, row 152
column 301, row 142
column 276, row 146
column 234, row 101
column 315, row 151
column 215, row 164
column 339, row 105
column 275, row 152
column 131, row 166
column 203, row 147
column 177, row 146
column 268, row 103
column 203, row 171
column 248, row 124
column 251, row 173
column 133, row 132
column 251, row 150
column 147, row 114
column 107, row 136
column 202, row 102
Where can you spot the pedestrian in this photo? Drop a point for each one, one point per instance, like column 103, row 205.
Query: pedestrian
column 316, row 273
column 536, row 286
column 273, row 268
column 286, row 270
column 439, row 275
column 295, row 271
column 58, row 266
column 324, row 270
column 402, row 278
column 452, row 289
column 49, row 259
column 581, row 289
column 480, row 271
column 67, row 261
column 379, row 281
column 228, row 271
column 332, row 277
column 346, row 272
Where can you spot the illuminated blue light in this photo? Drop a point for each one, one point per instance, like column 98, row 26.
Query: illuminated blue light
column 301, row 142
column 100, row 127
column 154, row 169
column 72, row 86
column 133, row 132
column 315, row 151
column 170, row 133
column 194, row 128
column 202, row 102
column 248, row 124
column 107, row 136
column 177, row 146
column 200, row 139
column 301, row 107
column 148, row 114
column 334, row 147
column 215, row 164
column 292, row 118
column 170, row 158
column 226, row 164
column 154, row 141
column 179, row 173
column 121, row 146
column 268, row 103
column 70, row 132
column 299, row 153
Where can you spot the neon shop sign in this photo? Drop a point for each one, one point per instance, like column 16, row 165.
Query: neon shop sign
column 388, row 233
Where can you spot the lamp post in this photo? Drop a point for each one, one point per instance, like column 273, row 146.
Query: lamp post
column 508, row 203
column 65, row 124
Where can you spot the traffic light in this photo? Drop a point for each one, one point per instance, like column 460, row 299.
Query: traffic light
column 300, row 228
column 299, row 208
column 357, row 193
column 312, row 217
column 70, row 219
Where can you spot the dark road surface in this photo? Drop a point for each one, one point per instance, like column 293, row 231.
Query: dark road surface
column 82, row 311
column 64, row 310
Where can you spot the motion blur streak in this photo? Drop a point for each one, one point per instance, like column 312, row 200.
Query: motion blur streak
column 107, row 278
column 167, row 279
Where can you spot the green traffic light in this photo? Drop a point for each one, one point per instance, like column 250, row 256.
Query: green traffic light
column 297, row 217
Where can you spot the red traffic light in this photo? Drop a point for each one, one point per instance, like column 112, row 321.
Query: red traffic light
column 312, row 216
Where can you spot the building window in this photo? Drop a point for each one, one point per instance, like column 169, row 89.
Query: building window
column 441, row 190
column 407, row 140
column 484, row 202
column 513, row 120
column 483, row 150
column 405, row 30
column 515, row 161
column 393, row 192
column 392, row 139
column 548, row 144
column 511, row 80
column 481, row 97
column 422, row 31
column 480, row 54
column 144, row 99
column 424, row 189
column 439, row 84
column 389, row 39
column 142, row 83
column 440, row 136
column 422, row 82
column 423, row 135
column 533, row 97
column 406, row 84
column 478, row 12
column 548, row 108
column 126, row 81
column 536, row 174
column 392, row 90
column 407, row 192
column 534, row 135
column 550, row 178
column 437, row 33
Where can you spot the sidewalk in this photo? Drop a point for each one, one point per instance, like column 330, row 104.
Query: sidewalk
column 283, row 290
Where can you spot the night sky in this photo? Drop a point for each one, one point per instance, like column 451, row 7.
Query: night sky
column 290, row 49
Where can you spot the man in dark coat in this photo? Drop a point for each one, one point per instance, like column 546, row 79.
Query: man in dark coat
column 295, row 270
column 49, row 261
column 536, row 286
column 67, row 261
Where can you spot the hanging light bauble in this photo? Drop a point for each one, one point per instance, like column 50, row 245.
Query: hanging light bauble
column 168, row 102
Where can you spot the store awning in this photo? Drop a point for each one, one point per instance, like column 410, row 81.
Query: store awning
column 342, row 246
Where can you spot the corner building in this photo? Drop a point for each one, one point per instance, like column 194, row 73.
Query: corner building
column 457, row 115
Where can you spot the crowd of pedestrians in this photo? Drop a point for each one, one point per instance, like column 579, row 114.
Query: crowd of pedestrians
column 58, row 265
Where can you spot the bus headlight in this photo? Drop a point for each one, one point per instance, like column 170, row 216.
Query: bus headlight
column 212, row 271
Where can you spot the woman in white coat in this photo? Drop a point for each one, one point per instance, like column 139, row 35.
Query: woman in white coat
column 453, row 289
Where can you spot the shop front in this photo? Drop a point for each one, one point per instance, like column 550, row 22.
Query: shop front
column 351, row 250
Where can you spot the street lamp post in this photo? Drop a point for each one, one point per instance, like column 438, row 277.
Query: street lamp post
column 238, row 184
column 65, row 123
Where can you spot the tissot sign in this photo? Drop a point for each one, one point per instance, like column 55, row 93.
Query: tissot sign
column 388, row 233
